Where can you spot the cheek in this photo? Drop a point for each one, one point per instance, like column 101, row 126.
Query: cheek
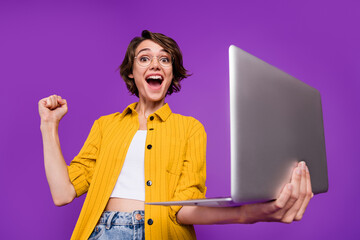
column 137, row 75
column 168, row 85
column 171, row 77
column 139, row 84
column 136, row 71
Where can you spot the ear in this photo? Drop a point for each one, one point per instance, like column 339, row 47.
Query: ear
column 131, row 75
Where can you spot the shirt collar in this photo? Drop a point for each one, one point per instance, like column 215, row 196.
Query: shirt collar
column 163, row 113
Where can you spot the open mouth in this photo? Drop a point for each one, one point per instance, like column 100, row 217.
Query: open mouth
column 154, row 81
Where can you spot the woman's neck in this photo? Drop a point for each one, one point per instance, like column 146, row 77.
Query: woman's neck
column 145, row 108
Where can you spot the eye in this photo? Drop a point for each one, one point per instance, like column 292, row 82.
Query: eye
column 165, row 59
column 144, row 59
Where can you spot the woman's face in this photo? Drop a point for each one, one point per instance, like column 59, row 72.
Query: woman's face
column 154, row 80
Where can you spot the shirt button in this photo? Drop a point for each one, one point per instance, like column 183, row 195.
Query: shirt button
column 149, row 146
column 152, row 118
column 149, row 183
column 150, row 221
column 151, row 129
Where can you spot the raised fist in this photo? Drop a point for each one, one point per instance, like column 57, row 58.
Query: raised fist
column 52, row 108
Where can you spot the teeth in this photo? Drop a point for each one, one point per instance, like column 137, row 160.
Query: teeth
column 155, row 77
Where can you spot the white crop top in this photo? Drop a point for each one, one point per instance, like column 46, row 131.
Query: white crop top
column 131, row 181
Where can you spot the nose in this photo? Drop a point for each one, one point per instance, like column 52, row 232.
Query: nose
column 155, row 63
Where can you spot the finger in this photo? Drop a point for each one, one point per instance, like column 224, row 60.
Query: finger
column 54, row 102
column 285, row 200
column 308, row 181
column 42, row 102
column 48, row 103
column 303, row 185
column 295, row 182
column 300, row 193
column 42, row 105
column 63, row 103
column 274, row 210
column 60, row 101
column 284, row 197
column 51, row 102
column 308, row 196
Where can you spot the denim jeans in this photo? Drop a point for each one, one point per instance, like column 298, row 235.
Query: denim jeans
column 120, row 225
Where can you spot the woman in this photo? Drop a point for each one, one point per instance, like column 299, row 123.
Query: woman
column 147, row 153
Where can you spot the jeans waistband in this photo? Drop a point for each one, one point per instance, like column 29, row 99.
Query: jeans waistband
column 110, row 218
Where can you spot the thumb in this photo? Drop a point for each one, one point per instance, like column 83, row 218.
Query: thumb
column 61, row 101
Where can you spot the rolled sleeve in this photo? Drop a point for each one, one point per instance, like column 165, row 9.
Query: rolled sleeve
column 81, row 168
column 191, row 184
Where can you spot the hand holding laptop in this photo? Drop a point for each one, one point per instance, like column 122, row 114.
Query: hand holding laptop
column 291, row 204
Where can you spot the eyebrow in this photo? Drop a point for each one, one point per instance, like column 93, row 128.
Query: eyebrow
column 148, row 49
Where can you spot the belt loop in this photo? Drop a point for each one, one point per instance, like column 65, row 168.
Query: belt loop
column 108, row 221
column 133, row 217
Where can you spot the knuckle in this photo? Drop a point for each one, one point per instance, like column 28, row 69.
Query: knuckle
column 278, row 217
column 287, row 220
column 294, row 196
column 302, row 195
column 279, row 205
column 309, row 195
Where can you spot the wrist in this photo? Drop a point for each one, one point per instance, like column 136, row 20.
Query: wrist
column 246, row 216
column 46, row 126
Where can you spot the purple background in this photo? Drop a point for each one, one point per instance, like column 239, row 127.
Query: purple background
column 73, row 49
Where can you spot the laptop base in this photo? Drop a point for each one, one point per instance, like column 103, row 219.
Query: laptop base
column 205, row 202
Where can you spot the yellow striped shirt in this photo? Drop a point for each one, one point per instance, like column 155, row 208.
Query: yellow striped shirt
column 175, row 163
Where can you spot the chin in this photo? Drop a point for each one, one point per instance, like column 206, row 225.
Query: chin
column 155, row 97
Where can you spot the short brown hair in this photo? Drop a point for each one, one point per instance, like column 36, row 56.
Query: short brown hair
column 179, row 72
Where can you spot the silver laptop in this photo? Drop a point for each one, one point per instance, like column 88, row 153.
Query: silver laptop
column 275, row 122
